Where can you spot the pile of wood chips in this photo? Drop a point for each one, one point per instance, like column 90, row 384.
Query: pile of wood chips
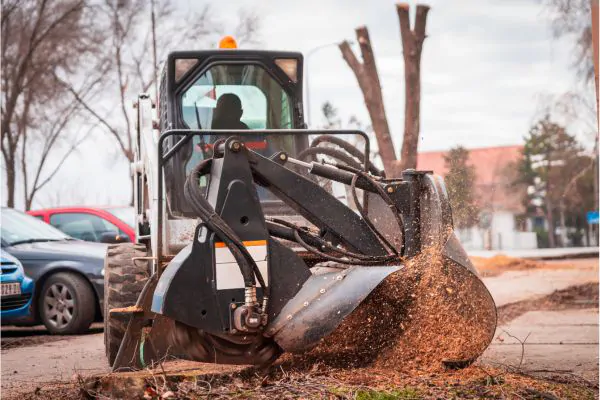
column 430, row 315
column 500, row 263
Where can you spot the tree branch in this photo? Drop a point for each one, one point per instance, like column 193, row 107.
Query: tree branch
column 72, row 148
column 579, row 175
column 350, row 58
column 420, row 22
column 100, row 119
column 405, row 32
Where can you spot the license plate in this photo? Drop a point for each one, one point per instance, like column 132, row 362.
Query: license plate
column 10, row 289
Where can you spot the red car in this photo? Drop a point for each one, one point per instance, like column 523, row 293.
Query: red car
column 92, row 224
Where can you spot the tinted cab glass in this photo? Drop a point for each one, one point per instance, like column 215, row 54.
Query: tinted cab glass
column 236, row 96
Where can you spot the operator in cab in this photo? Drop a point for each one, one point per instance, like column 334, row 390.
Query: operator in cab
column 228, row 113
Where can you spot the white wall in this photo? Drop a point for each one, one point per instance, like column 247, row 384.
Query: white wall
column 500, row 236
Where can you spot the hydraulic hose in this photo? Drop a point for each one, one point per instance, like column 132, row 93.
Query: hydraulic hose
column 216, row 224
column 347, row 256
column 315, row 240
column 353, row 150
column 382, row 193
column 335, row 153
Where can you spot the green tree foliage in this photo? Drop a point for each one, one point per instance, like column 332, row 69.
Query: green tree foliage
column 558, row 175
column 460, row 182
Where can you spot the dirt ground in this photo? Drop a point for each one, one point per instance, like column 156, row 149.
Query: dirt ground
column 500, row 264
column 14, row 337
column 285, row 382
column 558, row 360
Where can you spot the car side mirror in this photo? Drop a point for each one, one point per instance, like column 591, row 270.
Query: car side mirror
column 113, row 237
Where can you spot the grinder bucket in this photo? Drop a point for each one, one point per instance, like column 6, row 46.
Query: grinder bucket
column 432, row 311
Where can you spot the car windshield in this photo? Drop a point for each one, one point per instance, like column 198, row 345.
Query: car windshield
column 18, row 227
column 125, row 214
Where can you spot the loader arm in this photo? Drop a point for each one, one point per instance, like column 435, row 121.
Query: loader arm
column 314, row 203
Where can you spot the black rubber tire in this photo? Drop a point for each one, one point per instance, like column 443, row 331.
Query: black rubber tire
column 124, row 280
column 84, row 303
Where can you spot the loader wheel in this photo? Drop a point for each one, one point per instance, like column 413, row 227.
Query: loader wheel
column 124, row 280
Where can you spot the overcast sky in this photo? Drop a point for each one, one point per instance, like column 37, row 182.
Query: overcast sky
column 485, row 64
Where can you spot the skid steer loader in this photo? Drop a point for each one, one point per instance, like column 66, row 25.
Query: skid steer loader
column 257, row 236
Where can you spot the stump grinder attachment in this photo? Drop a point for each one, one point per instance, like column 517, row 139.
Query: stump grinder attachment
column 274, row 260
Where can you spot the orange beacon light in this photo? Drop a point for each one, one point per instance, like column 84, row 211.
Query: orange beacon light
column 228, row 42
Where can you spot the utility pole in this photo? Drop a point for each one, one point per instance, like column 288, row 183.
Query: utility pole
column 307, row 78
column 595, row 10
column 154, row 56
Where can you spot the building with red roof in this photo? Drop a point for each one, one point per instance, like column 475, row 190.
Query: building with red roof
column 501, row 206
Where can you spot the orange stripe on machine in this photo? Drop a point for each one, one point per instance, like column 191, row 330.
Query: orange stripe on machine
column 247, row 243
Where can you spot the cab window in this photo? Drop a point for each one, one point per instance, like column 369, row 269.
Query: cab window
column 236, row 97
column 233, row 96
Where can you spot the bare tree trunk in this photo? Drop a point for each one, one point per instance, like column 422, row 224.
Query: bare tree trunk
column 368, row 80
column 595, row 47
column 24, row 172
column 133, row 182
column 154, row 56
column 10, row 182
column 412, row 44
column 563, row 225
column 550, row 219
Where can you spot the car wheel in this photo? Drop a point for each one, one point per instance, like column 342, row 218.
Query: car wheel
column 67, row 304
column 124, row 280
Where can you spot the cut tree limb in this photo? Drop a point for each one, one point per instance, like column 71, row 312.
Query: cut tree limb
column 368, row 80
column 412, row 44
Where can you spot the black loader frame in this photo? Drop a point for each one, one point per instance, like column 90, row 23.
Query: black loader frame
column 186, row 292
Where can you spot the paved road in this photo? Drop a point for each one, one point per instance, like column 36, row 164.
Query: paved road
column 514, row 286
column 553, row 340
column 24, row 368
column 31, row 366
column 539, row 254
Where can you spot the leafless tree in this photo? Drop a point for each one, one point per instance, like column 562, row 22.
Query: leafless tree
column 573, row 18
column 141, row 34
column 42, row 41
column 412, row 45
column 248, row 28
column 368, row 80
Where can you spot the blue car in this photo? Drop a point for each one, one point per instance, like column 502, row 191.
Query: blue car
column 16, row 290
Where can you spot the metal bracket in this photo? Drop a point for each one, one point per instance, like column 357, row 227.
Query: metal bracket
column 145, row 258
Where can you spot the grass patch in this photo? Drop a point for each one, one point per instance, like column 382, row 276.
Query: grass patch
column 402, row 394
